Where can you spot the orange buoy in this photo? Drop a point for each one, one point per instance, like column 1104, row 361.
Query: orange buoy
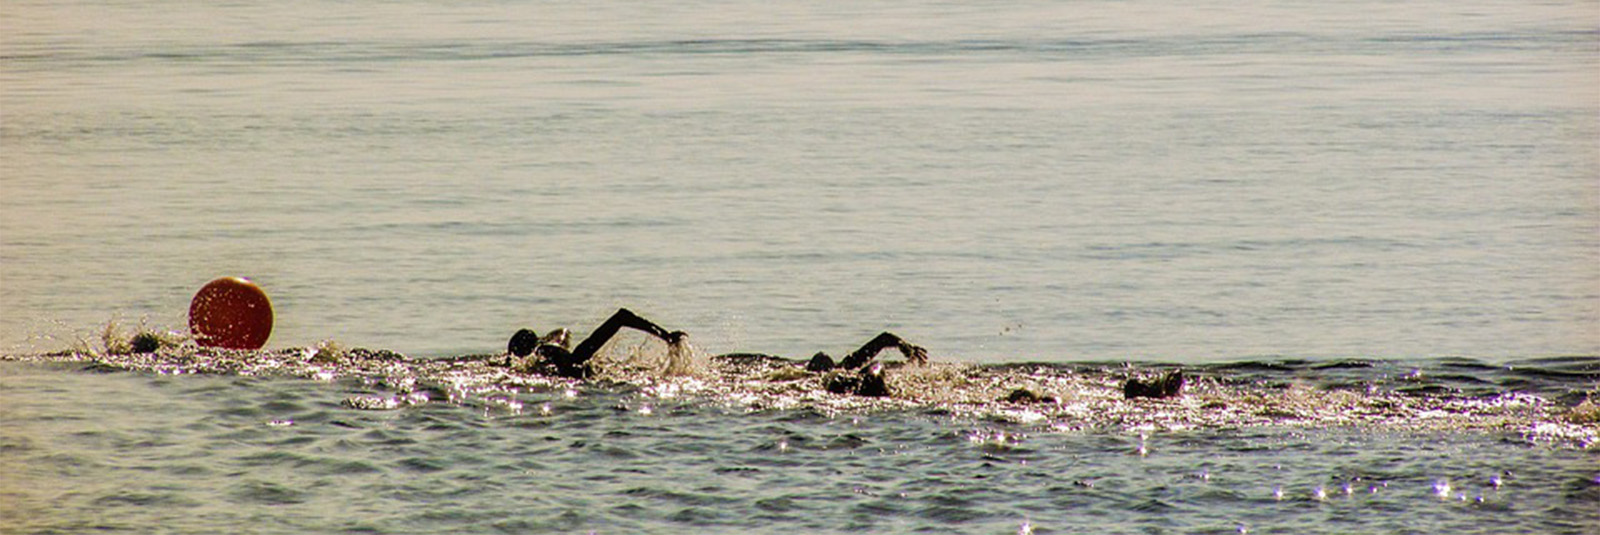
column 231, row 313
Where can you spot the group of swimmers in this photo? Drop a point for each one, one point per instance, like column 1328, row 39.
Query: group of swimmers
column 857, row 373
column 234, row 313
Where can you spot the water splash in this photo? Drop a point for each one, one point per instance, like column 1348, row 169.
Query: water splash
column 635, row 358
column 1069, row 397
column 684, row 360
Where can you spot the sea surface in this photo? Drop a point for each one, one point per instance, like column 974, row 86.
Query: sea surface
column 319, row 440
column 1369, row 231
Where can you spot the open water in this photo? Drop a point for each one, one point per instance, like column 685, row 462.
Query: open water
column 1371, row 230
column 330, row 441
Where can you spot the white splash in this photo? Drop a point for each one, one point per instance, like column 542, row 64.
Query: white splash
column 684, row 360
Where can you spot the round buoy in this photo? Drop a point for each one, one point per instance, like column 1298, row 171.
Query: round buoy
column 231, row 313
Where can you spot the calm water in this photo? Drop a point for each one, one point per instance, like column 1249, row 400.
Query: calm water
column 1226, row 186
column 1021, row 181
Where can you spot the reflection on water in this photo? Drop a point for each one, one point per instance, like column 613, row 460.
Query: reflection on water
column 373, row 441
column 1540, row 398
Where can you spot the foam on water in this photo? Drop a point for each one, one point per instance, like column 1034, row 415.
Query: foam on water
column 1371, row 185
column 648, row 356
column 1059, row 397
column 323, row 438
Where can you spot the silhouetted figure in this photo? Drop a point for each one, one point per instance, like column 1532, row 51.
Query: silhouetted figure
column 857, row 374
column 821, row 362
column 868, row 378
column 1025, row 396
column 1168, row 385
column 555, row 359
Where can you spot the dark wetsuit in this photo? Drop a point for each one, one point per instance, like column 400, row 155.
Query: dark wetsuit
column 859, row 358
column 556, row 360
column 868, row 378
column 1167, row 385
column 856, row 374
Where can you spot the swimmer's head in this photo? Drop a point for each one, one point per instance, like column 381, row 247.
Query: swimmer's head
column 820, row 362
column 523, row 343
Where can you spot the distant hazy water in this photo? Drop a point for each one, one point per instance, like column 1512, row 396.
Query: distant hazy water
column 1051, row 181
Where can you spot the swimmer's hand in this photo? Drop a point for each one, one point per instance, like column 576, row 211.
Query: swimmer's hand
column 913, row 352
column 676, row 337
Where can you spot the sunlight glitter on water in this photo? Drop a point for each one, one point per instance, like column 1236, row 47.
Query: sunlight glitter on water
column 909, row 464
column 1086, row 398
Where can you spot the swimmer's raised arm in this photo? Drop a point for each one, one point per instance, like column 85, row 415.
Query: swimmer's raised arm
column 886, row 340
column 623, row 318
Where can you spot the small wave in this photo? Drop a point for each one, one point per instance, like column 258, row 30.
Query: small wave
column 54, row 56
column 1550, row 398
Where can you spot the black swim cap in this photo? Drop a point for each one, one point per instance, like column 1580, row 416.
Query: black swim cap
column 523, row 343
column 820, row 362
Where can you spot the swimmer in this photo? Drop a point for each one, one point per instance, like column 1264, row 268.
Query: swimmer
column 856, row 374
column 867, row 380
column 556, row 359
column 1167, row 385
column 821, row 362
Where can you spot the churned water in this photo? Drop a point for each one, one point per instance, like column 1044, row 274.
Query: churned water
column 1370, row 231
column 321, row 441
